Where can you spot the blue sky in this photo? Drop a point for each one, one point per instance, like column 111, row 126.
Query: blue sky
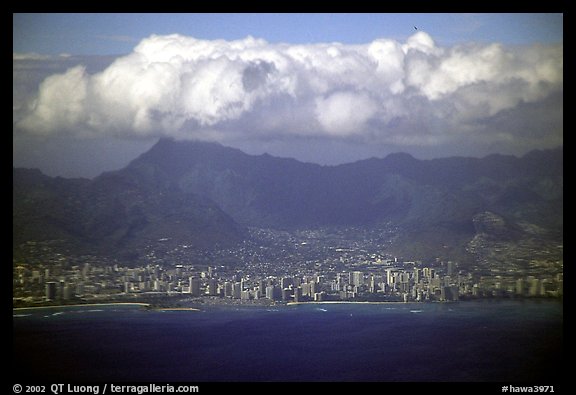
column 461, row 84
column 112, row 34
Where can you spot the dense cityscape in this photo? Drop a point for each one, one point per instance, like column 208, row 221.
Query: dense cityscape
column 274, row 267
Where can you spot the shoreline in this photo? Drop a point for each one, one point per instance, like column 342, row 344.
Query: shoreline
column 345, row 302
column 201, row 307
column 81, row 305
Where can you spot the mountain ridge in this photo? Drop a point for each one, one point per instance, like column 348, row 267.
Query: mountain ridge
column 432, row 201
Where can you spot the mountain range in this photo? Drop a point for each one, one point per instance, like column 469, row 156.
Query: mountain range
column 206, row 195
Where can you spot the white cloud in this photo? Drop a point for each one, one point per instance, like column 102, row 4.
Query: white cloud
column 29, row 56
column 345, row 113
column 421, row 42
column 412, row 93
column 60, row 102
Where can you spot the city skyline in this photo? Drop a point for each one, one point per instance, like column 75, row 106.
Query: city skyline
column 296, row 268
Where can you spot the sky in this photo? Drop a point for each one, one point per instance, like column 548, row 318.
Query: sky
column 93, row 91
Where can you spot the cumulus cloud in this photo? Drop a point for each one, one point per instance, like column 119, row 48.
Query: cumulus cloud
column 402, row 93
column 344, row 112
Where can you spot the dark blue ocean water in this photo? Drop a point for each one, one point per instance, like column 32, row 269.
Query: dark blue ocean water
column 511, row 341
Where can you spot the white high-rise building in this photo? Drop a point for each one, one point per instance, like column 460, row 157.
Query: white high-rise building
column 356, row 278
column 417, row 275
column 389, row 276
column 270, row 292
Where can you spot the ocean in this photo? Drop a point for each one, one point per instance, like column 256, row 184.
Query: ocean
column 469, row 341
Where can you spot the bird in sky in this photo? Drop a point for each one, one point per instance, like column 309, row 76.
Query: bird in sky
column 415, row 28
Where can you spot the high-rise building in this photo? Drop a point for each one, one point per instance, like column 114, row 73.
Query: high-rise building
column 86, row 271
column 60, row 293
column 428, row 273
column 237, row 290
column 435, row 282
column 372, row 287
column 194, row 286
column 419, row 295
column 286, row 282
column 262, row 288
column 314, row 287
column 445, row 293
column 417, row 275
column 356, row 278
column 520, row 286
column 455, row 292
column 404, row 282
column 404, row 277
column 212, row 287
column 286, row 294
column 340, row 283
column 476, row 290
column 383, row 286
column 36, row 276
column 334, row 286
column 228, row 289
column 271, row 292
column 297, row 294
column 534, row 286
column 51, row 291
column 67, row 292
column 144, row 286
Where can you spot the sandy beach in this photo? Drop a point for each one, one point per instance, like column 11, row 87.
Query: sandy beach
column 342, row 302
column 80, row 305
